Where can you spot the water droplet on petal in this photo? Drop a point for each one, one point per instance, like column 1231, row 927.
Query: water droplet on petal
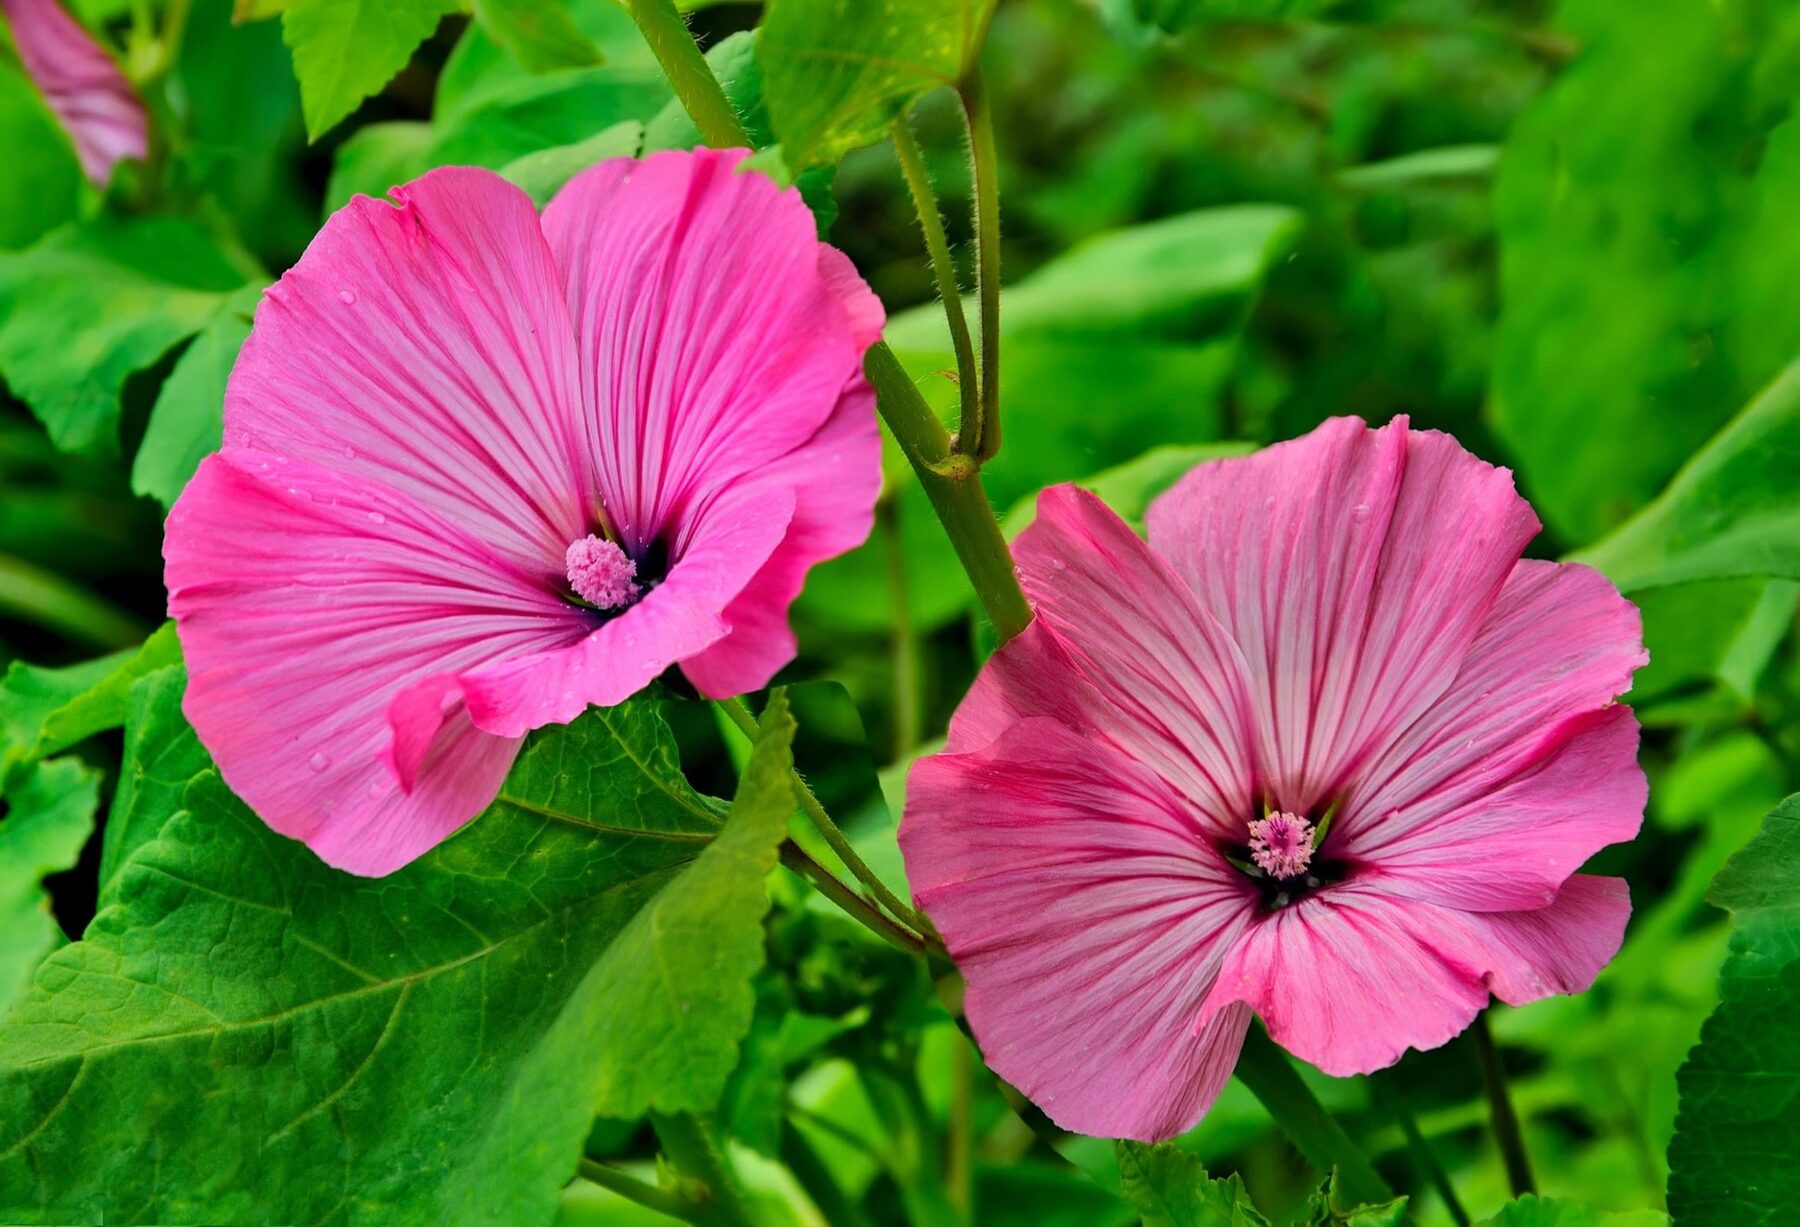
column 318, row 762
column 349, row 453
column 1360, row 512
column 346, row 297
column 375, row 517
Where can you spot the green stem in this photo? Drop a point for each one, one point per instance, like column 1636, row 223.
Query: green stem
column 815, row 813
column 860, row 909
column 984, row 168
column 642, row 1192
column 1395, row 1106
column 908, row 709
column 691, row 76
column 696, row 1156
column 32, row 594
column 937, row 245
column 954, row 487
column 1271, row 1077
column 959, row 1141
column 1505, row 1122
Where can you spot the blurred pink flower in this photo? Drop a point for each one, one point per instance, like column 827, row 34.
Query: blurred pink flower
column 482, row 470
column 81, row 83
column 1335, row 633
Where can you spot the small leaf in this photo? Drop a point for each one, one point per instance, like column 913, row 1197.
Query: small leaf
column 186, row 421
column 1171, row 1188
column 838, row 71
column 94, row 302
column 540, row 34
column 673, row 993
column 346, row 50
column 49, row 816
column 1327, row 1208
column 44, row 710
column 1732, row 510
column 1738, row 1125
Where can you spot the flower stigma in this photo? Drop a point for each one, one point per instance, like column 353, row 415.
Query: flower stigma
column 1281, row 844
column 601, row 573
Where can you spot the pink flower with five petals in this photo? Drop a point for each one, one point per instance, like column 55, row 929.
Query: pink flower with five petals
column 483, row 469
column 1325, row 749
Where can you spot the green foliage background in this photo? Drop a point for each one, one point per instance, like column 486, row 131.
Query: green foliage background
column 1561, row 231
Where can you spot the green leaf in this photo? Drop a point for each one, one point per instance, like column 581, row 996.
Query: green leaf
column 44, row 710
column 186, row 422
column 1646, row 274
column 1534, row 1211
column 540, row 34
column 1170, row 1188
column 246, row 1035
column 542, row 174
column 346, row 50
column 94, row 302
column 49, row 816
column 1732, row 510
column 1173, row 16
column 1328, row 1207
column 1130, row 488
column 1739, row 1122
column 673, row 994
column 838, row 71
column 42, row 185
column 162, row 754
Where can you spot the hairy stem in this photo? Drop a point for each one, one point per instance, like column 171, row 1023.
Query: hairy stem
column 984, row 167
column 1505, row 1122
column 937, row 245
column 954, row 487
column 815, row 813
column 908, row 707
column 860, row 909
column 1266, row 1070
column 691, row 76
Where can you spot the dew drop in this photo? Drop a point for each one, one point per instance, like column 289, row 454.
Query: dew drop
column 1360, row 512
column 346, row 297
column 349, row 453
column 375, row 517
column 318, row 762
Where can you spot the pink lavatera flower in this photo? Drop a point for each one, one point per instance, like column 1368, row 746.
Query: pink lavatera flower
column 1325, row 749
column 81, row 84
column 482, row 470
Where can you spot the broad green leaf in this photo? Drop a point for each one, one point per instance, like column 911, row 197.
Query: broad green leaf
column 1732, row 510
column 1739, row 1122
column 346, row 50
column 246, row 1036
column 186, row 422
column 92, row 303
column 542, row 174
column 673, row 994
column 1534, row 1211
column 838, row 71
column 44, row 710
column 540, row 34
column 480, row 71
column 377, row 158
column 49, row 816
column 161, row 755
column 1647, row 251
column 1171, row 1188
column 1173, row 16
column 42, row 185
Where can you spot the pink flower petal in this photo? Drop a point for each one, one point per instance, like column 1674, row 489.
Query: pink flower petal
column 427, row 347
column 716, row 334
column 1350, row 978
column 81, row 84
column 306, row 602
column 1353, row 568
column 1088, row 917
column 1523, row 769
column 1122, row 651
column 836, row 478
column 726, row 542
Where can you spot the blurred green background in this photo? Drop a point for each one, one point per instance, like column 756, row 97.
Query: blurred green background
column 1564, row 233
